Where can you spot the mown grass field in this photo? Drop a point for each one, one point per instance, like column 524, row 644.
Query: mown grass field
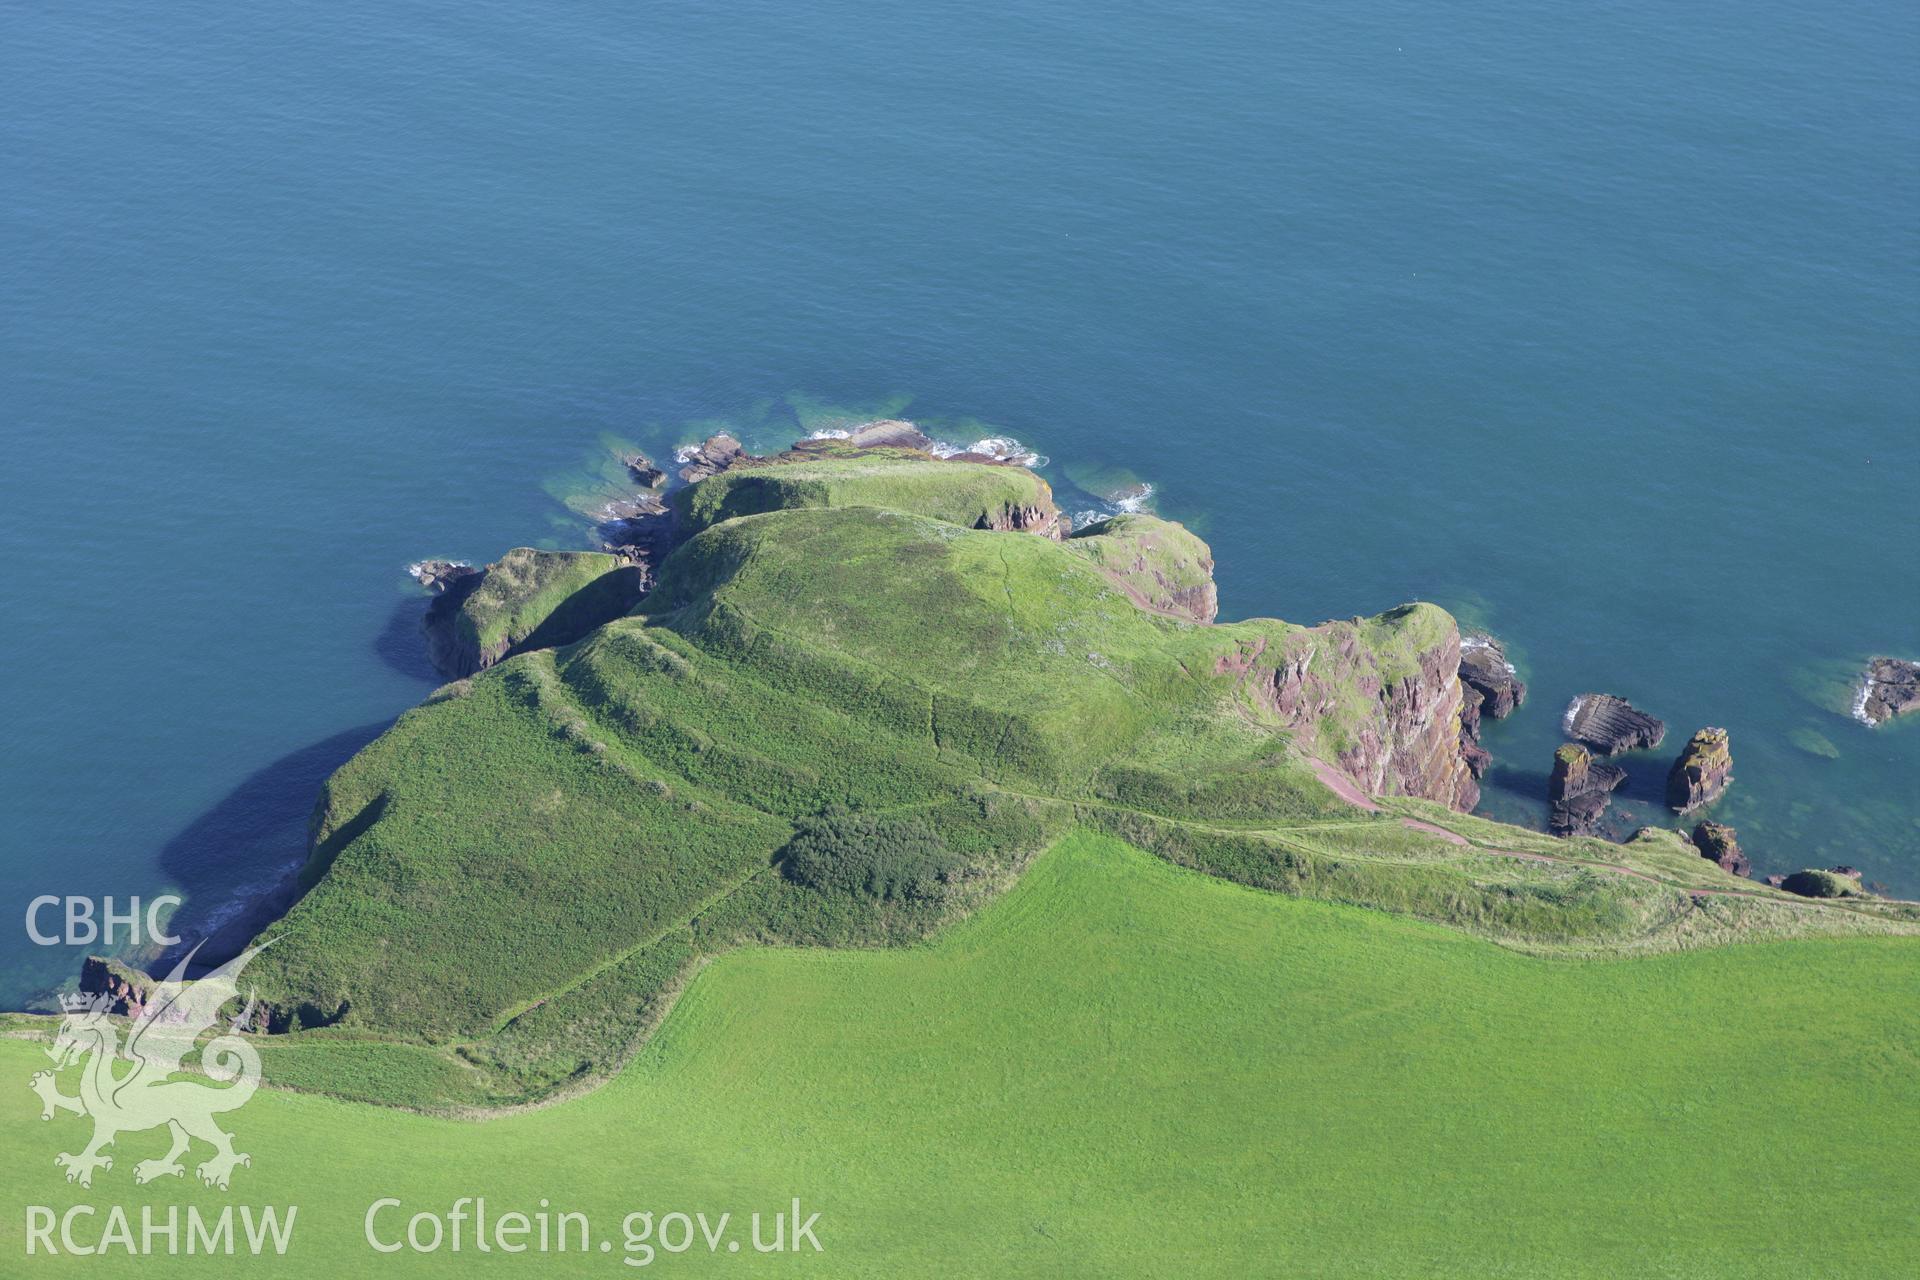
column 1125, row 1068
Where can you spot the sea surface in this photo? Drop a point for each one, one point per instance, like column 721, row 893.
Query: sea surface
column 1594, row 323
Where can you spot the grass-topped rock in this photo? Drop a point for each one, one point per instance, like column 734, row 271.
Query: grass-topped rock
column 831, row 474
column 528, row 599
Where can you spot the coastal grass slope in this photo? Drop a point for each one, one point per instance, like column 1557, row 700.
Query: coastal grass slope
column 1122, row 1068
column 848, row 725
column 532, row 599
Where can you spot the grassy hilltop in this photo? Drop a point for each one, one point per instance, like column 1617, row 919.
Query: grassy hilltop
column 888, row 479
column 846, row 714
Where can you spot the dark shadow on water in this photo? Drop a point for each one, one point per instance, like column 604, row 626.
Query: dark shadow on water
column 402, row 644
column 1529, row 785
column 236, row 864
column 1519, row 796
column 1646, row 778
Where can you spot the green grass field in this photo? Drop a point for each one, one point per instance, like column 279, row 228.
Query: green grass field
column 1121, row 1067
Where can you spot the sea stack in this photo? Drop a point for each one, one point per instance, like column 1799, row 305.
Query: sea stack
column 1702, row 772
column 1580, row 788
column 1610, row 725
column 1719, row 845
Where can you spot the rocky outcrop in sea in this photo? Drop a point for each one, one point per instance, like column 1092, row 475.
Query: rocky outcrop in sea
column 1610, row 725
column 1489, row 688
column 1889, row 687
column 1701, row 773
column 709, row 458
column 1485, row 669
column 644, row 473
column 1579, row 790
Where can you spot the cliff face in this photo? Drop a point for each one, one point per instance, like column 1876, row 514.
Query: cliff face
column 1042, row 518
column 1412, row 746
column 1380, row 697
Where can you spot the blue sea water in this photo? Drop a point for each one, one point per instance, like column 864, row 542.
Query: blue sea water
column 1594, row 323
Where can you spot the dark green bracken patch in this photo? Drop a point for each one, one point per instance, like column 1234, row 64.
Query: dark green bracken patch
column 877, row 855
column 1814, row 883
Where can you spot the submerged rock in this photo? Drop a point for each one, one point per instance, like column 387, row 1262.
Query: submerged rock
column 643, row 507
column 1701, row 773
column 889, row 433
column 1719, row 845
column 1484, row 667
column 1579, row 789
column 1610, row 725
column 1888, row 688
column 1814, row 743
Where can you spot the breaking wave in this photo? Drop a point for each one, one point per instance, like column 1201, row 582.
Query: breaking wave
column 1573, row 709
column 1860, row 700
column 999, row 448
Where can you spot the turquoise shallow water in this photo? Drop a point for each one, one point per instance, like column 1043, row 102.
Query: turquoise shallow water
column 1597, row 325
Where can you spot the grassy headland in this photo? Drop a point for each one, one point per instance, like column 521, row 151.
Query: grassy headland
column 847, row 714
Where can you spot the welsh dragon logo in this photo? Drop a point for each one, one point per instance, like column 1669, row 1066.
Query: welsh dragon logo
column 161, row 1034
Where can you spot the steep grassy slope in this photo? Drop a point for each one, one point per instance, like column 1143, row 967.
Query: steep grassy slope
column 1124, row 1069
column 532, row 599
column 1157, row 562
